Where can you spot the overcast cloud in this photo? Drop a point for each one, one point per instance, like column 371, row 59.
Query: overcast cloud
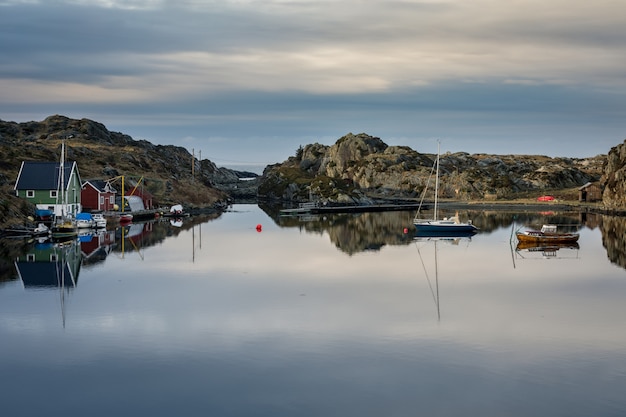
column 248, row 81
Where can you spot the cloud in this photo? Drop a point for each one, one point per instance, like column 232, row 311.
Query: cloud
column 252, row 67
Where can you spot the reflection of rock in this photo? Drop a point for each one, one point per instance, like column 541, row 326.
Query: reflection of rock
column 353, row 233
column 614, row 239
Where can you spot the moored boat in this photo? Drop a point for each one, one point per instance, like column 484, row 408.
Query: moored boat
column 84, row 221
column 99, row 220
column 548, row 233
column 125, row 218
column 446, row 226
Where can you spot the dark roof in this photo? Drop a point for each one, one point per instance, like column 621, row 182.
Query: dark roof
column 35, row 175
column 100, row 185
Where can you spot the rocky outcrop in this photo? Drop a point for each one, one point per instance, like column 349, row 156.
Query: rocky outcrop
column 614, row 178
column 169, row 172
column 358, row 168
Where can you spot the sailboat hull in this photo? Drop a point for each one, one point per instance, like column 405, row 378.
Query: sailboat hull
column 442, row 228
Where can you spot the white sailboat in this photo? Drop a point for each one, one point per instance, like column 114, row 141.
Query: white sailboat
column 450, row 226
column 63, row 227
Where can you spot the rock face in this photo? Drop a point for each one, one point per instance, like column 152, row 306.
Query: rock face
column 614, row 178
column 360, row 167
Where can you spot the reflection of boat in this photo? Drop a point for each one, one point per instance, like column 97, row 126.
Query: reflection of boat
column 446, row 225
column 547, row 234
column 546, row 247
column 546, row 250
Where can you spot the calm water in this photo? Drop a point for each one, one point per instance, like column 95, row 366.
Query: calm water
column 332, row 316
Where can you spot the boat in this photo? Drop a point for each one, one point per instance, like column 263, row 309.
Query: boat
column 64, row 226
column 125, row 218
column 40, row 231
column 446, row 226
column 99, row 220
column 85, row 221
column 547, row 234
column 176, row 211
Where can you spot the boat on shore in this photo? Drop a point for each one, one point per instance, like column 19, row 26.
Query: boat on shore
column 547, row 234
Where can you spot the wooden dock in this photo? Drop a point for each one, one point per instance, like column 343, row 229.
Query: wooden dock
column 313, row 208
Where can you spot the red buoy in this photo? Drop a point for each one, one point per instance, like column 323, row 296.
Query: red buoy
column 259, row 227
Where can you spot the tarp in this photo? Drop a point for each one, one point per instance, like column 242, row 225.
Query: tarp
column 545, row 198
column 84, row 216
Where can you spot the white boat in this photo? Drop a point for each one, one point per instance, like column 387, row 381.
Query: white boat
column 445, row 227
column 84, row 221
column 99, row 220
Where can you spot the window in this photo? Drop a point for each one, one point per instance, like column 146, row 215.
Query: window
column 53, row 193
column 30, row 193
column 112, row 200
column 101, row 200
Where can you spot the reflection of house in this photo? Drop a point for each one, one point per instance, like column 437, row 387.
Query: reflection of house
column 39, row 182
column 98, row 195
column 47, row 265
column 97, row 246
column 590, row 192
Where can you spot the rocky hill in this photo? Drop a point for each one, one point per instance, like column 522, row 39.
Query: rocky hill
column 359, row 168
column 614, row 179
column 165, row 171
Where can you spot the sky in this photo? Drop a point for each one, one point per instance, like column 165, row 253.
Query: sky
column 247, row 82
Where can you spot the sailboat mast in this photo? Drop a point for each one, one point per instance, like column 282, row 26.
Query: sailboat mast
column 62, row 173
column 436, row 182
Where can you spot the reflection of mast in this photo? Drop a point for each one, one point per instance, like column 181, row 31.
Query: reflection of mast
column 193, row 241
column 435, row 291
column 62, row 263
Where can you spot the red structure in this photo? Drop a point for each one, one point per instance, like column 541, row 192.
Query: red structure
column 98, row 195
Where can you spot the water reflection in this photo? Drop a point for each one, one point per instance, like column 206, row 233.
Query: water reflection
column 283, row 323
column 51, row 265
column 614, row 239
column 354, row 233
column 429, row 262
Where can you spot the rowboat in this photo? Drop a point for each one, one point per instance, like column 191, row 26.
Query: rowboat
column 547, row 234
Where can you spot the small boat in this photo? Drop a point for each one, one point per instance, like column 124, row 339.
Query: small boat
column 447, row 226
column 176, row 211
column 125, row 218
column 547, row 234
column 99, row 220
column 84, row 221
column 40, row 231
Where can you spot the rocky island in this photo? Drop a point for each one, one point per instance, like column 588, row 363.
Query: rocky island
column 357, row 169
